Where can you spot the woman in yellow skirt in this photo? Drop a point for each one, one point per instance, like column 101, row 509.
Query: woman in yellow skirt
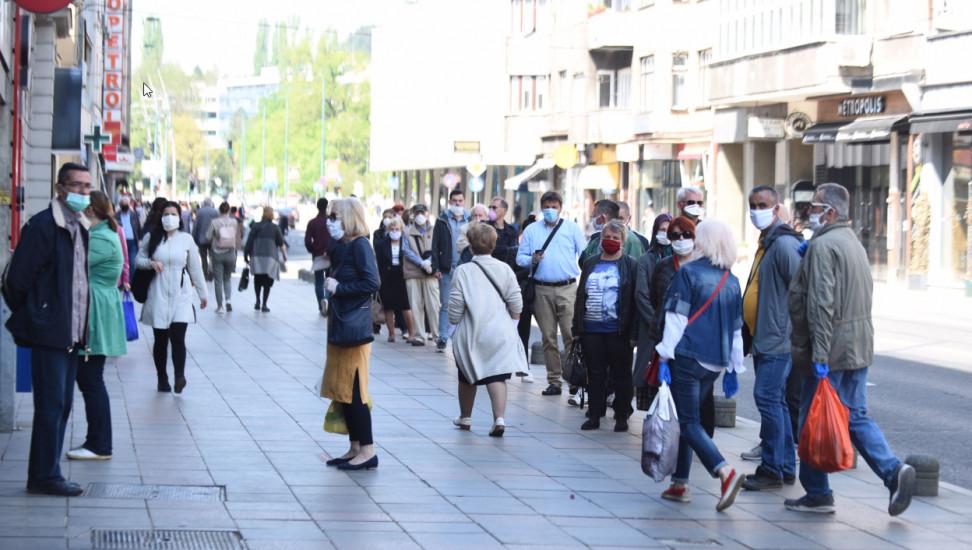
column 354, row 280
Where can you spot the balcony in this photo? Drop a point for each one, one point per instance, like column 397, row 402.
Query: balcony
column 611, row 30
column 607, row 126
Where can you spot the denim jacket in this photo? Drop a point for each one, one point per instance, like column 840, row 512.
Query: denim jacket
column 709, row 338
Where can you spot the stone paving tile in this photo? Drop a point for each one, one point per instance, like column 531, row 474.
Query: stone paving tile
column 250, row 420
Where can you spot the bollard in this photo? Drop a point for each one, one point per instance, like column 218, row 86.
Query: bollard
column 305, row 275
column 725, row 412
column 926, row 474
column 536, row 354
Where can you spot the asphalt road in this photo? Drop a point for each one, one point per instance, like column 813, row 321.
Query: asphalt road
column 922, row 409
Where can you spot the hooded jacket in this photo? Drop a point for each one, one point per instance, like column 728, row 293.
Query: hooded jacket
column 781, row 259
column 830, row 303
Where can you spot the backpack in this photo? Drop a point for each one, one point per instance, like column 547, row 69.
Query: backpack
column 226, row 237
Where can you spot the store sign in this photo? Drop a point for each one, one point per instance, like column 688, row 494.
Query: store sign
column 43, row 6
column 125, row 162
column 765, row 128
column 796, row 124
column 862, row 106
column 465, row 146
column 114, row 85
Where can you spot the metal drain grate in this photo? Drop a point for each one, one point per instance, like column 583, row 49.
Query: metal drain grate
column 199, row 493
column 161, row 539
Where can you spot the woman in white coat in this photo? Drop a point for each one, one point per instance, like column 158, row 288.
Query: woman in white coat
column 487, row 349
column 169, row 307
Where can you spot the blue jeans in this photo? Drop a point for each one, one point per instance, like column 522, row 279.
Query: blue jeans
column 53, row 374
column 97, row 411
column 775, row 431
column 319, row 285
column 445, row 329
column 132, row 245
column 691, row 382
column 851, row 387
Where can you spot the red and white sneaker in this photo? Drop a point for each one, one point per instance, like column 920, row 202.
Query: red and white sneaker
column 730, row 488
column 677, row 493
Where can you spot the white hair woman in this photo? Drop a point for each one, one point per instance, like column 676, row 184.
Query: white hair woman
column 394, row 297
column 352, row 283
column 702, row 339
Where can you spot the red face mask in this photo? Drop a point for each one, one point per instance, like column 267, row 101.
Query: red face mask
column 611, row 247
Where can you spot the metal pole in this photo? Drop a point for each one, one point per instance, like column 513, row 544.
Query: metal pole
column 286, row 137
column 243, row 163
column 263, row 168
column 323, row 112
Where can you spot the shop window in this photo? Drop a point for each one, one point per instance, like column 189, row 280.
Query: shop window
column 647, row 77
column 962, row 205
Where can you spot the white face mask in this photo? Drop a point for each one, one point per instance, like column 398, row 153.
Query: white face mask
column 662, row 238
column 694, row 210
column 421, row 219
column 170, row 222
column 815, row 223
column 336, row 229
column 456, row 210
column 395, row 235
column 683, row 247
column 386, row 221
column 762, row 218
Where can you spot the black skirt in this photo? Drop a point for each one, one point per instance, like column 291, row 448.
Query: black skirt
column 393, row 295
column 484, row 381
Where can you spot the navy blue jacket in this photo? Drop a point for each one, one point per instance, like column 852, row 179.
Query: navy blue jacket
column 357, row 274
column 39, row 282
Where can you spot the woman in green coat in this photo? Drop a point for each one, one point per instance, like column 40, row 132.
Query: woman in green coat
column 106, row 327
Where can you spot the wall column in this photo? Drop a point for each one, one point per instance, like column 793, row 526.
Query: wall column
column 894, row 211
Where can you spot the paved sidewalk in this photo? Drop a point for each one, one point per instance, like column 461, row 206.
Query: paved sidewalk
column 250, row 421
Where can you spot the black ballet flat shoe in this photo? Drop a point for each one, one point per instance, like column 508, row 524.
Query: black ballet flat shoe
column 369, row 464
column 337, row 461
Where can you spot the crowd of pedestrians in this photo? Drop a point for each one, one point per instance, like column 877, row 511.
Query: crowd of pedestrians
column 647, row 310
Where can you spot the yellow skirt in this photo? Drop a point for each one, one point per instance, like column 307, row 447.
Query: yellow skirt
column 340, row 366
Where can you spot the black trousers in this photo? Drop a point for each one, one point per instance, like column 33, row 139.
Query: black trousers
column 262, row 283
column 97, row 410
column 358, row 416
column 608, row 357
column 53, row 372
column 176, row 335
column 523, row 327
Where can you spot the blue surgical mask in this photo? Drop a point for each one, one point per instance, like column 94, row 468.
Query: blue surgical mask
column 77, row 202
column 550, row 215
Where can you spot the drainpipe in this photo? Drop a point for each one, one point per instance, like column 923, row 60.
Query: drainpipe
column 15, row 127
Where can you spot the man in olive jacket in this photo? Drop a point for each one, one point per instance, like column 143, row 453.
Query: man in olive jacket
column 830, row 306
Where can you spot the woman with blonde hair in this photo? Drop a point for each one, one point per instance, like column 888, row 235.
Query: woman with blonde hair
column 702, row 339
column 265, row 253
column 486, row 346
column 354, row 279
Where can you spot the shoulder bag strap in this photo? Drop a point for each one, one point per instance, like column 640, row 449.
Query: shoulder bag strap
column 491, row 281
column 705, row 306
column 546, row 243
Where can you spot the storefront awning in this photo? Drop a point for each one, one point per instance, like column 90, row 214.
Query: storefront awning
column 513, row 183
column 868, row 129
column 596, row 177
column 941, row 123
column 822, row 133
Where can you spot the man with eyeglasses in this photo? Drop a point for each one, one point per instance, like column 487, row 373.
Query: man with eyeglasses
column 833, row 336
column 691, row 203
column 46, row 287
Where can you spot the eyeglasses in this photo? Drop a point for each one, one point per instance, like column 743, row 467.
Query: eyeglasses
column 679, row 236
column 691, row 202
column 491, row 207
column 332, row 216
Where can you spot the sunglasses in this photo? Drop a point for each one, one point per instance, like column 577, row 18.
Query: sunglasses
column 332, row 216
column 678, row 236
column 691, row 202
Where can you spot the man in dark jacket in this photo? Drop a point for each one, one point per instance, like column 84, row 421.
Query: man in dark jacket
column 130, row 223
column 317, row 241
column 46, row 287
column 507, row 241
column 445, row 256
column 200, row 233
column 833, row 336
column 766, row 325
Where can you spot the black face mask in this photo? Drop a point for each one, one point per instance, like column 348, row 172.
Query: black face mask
column 124, row 208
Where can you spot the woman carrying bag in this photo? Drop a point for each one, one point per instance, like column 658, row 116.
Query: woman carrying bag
column 390, row 252
column 485, row 304
column 106, row 327
column 169, row 308
column 265, row 254
column 702, row 339
column 353, row 281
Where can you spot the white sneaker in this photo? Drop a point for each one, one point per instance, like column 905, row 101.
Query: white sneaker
column 219, row 310
column 527, row 379
column 462, row 422
column 84, row 454
column 574, row 400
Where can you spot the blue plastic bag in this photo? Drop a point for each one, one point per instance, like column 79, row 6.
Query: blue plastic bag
column 131, row 323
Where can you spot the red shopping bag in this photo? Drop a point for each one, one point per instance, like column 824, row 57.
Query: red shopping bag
column 825, row 441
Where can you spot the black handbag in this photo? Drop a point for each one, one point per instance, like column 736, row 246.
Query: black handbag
column 575, row 366
column 349, row 324
column 141, row 281
column 244, row 279
column 529, row 289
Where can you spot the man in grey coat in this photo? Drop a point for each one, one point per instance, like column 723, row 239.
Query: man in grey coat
column 833, row 336
column 766, row 328
column 200, row 233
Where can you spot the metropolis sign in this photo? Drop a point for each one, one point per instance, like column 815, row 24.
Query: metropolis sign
column 861, row 106
column 43, row 6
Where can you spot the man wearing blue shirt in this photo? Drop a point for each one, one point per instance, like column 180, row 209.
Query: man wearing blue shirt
column 555, row 275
